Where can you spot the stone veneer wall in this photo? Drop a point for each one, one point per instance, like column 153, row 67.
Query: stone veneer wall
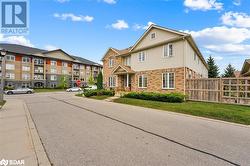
column 155, row 80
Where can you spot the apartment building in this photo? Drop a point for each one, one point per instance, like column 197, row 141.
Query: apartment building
column 160, row 61
column 33, row 67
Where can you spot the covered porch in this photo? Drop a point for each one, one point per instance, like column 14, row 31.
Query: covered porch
column 124, row 78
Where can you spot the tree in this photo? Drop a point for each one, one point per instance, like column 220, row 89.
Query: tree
column 91, row 81
column 213, row 69
column 229, row 71
column 64, row 82
column 100, row 81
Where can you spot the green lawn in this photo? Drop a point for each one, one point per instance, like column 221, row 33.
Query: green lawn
column 99, row 97
column 226, row 112
column 48, row 90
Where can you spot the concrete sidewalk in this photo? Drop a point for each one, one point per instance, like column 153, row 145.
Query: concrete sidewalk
column 19, row 139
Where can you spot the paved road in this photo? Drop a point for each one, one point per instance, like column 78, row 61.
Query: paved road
column 77, row 131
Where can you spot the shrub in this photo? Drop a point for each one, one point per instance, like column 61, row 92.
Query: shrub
column 8, row 88
column 89, row 93
column 165, row 97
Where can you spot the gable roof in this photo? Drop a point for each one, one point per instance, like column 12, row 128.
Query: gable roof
column 245, row 67
column 125, row 68
column 157, row 27
column 15, row 48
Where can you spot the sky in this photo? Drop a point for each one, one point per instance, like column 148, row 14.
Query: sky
column 87, row 28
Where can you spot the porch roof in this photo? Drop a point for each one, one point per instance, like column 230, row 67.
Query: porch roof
column 120, row 69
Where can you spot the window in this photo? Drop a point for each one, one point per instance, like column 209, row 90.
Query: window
column 54, row 71
column 111, row 62
column 38, row 77
column 53, row 63
column 53, row 77
column 141, row 56
column 153, row 35
column 25, row 76
column 112, row 81
column 127, row 61
column 64, row 71
column 142, row 81
column 38, row 69
column 25, row 59
column 38, row 61
column 82, row 67
column 168, row 80
column 76, row 66
column 10, row 75
column 195, row 56
column 25, row 68
column 10, row 57
column 88, row 67
column 10, row 66
column 64, row 64
column 168, row 50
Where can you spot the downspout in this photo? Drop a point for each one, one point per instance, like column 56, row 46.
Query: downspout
column 184, row 63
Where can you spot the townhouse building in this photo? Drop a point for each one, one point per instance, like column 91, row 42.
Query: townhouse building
column 160, row 61
column 33, row 67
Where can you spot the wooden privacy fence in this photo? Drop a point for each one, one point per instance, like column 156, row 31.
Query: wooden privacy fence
column 224, row 90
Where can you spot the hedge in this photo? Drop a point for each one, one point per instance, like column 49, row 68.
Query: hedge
column 164, row 97
column 89, row 93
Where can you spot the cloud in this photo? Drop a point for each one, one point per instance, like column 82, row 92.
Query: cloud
column 110, row 1
column 236, row 19
column 62, row 1
column 119, row 25
column 72, row 17
column 223, row 40
column 50, row 47
column 16, row 40
column 144, row 27
column 237, row 2
column 203, row 5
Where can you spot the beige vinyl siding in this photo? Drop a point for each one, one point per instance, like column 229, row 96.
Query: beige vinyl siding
column 196, row 66
column 155, row 59
column 160, row 36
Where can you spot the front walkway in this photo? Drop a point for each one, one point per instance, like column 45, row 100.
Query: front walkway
column 19, row 139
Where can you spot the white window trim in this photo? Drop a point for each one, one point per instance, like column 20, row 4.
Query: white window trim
column 111, row 64
column 14, row 59
column 143, row 87
column 145, row 54
column 24, row 57
column 112, row 86
column 168, row 53
column 168, row 81
column 10, row 65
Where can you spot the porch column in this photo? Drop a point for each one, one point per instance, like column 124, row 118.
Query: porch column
column 127, row 80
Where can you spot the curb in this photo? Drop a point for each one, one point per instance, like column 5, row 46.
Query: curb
column 41, row 156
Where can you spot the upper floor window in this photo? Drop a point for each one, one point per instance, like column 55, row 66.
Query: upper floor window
column 38, row 61
column 168, row 50
column 53, row 63
column 10, row 66
column 88, row 67
column 10, row 57
column 64, row 71
column 25, row 59
column 142, row 81
column 141, row 56
column 64, row 64
column 81, row 66
column 53, row 71
column 127, row 61
column 168, row 80
column 111, row 62
column 153, row 35
column 25, row 68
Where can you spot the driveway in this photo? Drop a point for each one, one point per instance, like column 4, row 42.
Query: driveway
column 77, row 131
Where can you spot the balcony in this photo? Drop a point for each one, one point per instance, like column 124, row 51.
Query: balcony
column 38, row 71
